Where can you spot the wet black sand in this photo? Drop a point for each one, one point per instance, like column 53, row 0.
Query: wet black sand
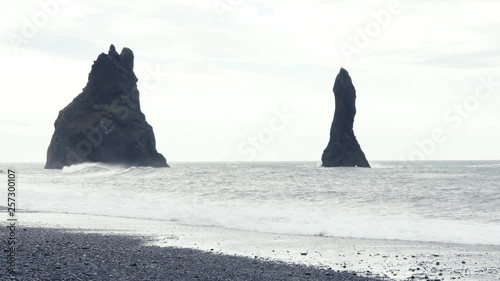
column 49, row 254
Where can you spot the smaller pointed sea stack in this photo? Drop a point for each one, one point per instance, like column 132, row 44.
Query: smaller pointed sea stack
column 105, row 123
column 343, row 149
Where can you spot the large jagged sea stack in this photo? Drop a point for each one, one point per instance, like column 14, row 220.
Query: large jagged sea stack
column 105, row 123
column 343, row 149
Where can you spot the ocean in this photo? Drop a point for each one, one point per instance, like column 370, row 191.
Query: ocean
column 449, row 201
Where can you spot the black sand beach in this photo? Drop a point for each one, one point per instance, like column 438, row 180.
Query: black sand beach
column 50, row 254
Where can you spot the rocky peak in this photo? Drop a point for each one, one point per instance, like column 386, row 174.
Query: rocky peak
column 343, row 148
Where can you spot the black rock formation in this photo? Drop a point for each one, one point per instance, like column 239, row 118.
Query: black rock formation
column 343, row 149
column 105, row 123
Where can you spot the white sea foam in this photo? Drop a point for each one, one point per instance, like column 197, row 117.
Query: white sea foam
column 339, row 222
column 90, row 168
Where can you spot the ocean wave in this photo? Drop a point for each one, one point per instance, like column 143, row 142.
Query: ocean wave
column 106, row 170
column 389, row 228
column 92, row 168
column 344, row 223
column 280, row 218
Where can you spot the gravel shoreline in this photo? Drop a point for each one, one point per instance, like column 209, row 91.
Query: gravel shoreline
column 52, row 254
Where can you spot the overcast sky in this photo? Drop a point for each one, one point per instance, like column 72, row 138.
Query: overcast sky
column 238, row 80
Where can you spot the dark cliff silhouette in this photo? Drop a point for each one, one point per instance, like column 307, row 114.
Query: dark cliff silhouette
column 105, row 123
column 343, row 149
